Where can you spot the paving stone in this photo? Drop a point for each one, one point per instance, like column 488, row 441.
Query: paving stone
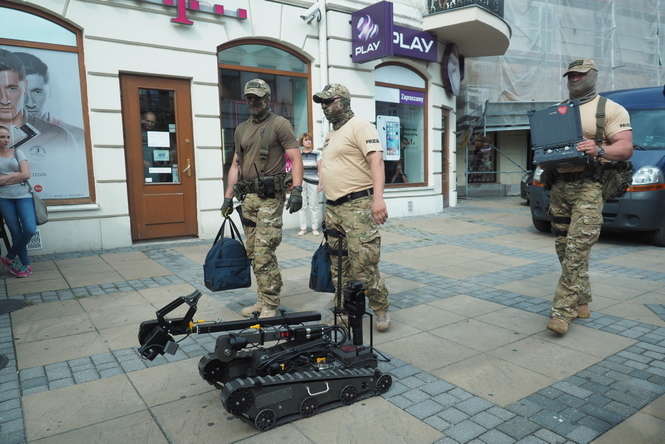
column 11, row 415
column 132, row 365
column 486, row 420
column 460, row 394
column 550, row 392
column 501, row 413
column 549, row 436
column 85, row 376
column 436, row 388
column 426, row 377
column 30, row 373
column 583, row 435
column 415, row 395
column 12, row 404
column 518, row 427
column 626, row 398
column 473, row 405
column 397, row 388
column 33, row 390
column 622, row 409
column 104, row 358
column 424, row 409
column 609, row 416
column 554, row 421
column 437, row 422
column 531, row 440
column 453, row 416
column 465, row 431
column 59, row 372
column 496, row 437
column 405, row 371
column 525, row 407
column 34, row 382
column 446, row 399
column 11, row 385
column 594, row 424
column 635, row 357
column 13, row 426
column 412, row 382
column 571, row 389
column 401, row 401
column 60, row 383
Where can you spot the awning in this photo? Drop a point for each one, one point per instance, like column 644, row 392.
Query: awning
column 509, row 116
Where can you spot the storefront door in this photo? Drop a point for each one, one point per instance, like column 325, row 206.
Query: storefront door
column 159, row 153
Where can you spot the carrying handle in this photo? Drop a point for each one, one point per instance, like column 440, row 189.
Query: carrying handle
column 235, row 233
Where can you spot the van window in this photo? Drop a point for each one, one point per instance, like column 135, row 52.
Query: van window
column 648, row 128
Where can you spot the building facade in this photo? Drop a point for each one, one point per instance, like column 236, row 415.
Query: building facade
column 128, row 107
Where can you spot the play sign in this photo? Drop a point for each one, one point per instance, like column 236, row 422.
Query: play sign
column 374, row 36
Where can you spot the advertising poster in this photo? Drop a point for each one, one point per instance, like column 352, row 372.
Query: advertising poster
column 389, row 134
column 45, row 114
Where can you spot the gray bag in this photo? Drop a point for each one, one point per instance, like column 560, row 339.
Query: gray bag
column 41, row 212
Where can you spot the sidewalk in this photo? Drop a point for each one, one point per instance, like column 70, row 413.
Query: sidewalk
column 472, row 360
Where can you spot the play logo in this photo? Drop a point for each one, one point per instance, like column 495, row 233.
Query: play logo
column 366, row 28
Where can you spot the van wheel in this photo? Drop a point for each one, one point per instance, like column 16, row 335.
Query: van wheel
column 658, row 237
column 543, row 226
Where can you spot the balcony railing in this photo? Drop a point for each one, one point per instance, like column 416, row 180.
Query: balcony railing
column 494, row 6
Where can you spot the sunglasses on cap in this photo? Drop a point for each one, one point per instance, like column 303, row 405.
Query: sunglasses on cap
column 328, row 101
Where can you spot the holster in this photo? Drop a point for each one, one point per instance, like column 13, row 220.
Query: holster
column 266, row 187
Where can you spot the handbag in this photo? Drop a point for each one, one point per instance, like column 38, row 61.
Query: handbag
column 41, row 211
column 226, row 266
column 320, row 277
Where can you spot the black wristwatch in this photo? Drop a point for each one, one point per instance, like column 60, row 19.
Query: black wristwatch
column 600, row 152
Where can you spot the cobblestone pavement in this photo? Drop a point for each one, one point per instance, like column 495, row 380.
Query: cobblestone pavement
column 471, row 359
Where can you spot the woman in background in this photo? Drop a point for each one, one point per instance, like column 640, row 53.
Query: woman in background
column 310, row 193
column 16, row 206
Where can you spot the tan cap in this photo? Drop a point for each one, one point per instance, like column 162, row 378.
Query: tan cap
column 581, row 65
column 332, row 90
column 257, row 87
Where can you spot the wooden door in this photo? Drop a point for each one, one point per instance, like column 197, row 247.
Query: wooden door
column 159, row 155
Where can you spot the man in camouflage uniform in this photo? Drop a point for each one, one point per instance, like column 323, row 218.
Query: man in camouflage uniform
column 257, row 178
column 576, row 200
column 352, row 176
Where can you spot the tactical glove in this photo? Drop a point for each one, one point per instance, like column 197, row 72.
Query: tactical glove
column 295, row 200
column 227, row 207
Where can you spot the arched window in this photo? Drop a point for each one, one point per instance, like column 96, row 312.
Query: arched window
column 401, row 116
column 287, row 73
column 42, row 87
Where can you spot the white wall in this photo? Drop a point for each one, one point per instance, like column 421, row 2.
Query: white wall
column 131, row 36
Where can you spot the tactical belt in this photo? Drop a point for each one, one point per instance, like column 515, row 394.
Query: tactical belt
column 572, row 177
column 351, row 196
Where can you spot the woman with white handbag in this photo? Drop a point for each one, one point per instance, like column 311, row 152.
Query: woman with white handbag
column 16, row 205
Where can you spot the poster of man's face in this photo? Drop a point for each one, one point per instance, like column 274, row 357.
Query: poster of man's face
column 41, row 89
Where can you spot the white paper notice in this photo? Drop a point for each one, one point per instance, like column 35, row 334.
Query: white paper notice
column 159, row 170
column 159, row 139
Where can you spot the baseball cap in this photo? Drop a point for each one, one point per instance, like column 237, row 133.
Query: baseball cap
column 581, row 65
column 332, row 90
column 257, row 87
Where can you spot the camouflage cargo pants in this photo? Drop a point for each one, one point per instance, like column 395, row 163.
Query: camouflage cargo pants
column 576, row 210
column 363, row 242
column 262, row 242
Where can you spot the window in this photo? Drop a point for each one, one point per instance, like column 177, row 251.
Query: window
column 401, row 113
column 41, row 80
column 287, row 74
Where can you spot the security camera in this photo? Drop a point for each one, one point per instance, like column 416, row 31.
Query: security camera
column 313, row 12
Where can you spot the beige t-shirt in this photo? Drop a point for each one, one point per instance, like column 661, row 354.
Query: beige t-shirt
column 617, row 119
column 344, row 166
column 276, row 132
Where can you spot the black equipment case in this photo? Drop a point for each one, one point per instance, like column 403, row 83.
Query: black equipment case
column 555, row 132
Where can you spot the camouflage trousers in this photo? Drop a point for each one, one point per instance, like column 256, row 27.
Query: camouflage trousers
column 262, row 242
column 363, row 242
column 576, row 209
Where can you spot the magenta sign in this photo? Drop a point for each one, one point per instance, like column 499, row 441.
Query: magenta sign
column 374, row 36
column 182, row 6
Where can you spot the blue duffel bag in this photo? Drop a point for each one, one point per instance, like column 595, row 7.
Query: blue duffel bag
column 226, row 266
column 320, row 276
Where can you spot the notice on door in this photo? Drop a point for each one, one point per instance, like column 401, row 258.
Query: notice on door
column 159, row 139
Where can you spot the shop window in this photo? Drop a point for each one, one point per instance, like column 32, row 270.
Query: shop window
column 43, row 87
column 287, row 74
column 401, row 113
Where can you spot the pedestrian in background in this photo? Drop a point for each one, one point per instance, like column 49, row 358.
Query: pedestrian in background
column 311, row 197
column 16, row 206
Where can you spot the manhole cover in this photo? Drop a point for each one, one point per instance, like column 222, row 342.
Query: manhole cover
column 9, row 305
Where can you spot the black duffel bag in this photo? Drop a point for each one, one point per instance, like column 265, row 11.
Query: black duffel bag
column 226, row 266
